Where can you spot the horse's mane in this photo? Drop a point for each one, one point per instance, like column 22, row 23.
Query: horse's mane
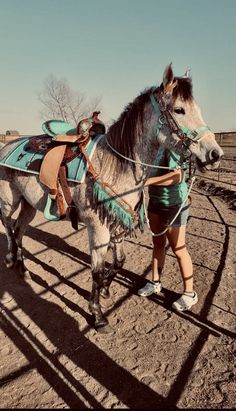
column 122, row 135
column 124, row 132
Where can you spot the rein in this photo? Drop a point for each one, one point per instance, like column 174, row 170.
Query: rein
column 105, row 194
column 135, row 161
column 165, row 117
column 186, row 136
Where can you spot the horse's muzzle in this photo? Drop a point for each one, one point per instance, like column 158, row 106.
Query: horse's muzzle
column 211, row 162
column 214, row 156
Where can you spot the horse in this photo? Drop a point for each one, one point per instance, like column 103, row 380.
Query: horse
column 165, row 115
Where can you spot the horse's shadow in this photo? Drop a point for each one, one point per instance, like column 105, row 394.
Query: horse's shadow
column 63, row 332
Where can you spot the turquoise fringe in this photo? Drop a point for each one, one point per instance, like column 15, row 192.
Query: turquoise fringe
column 108, row 203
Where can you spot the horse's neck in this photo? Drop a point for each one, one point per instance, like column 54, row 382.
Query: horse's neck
column 147, row 146
column 128, row 183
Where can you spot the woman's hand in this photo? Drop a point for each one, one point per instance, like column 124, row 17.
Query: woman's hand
column 169, row 179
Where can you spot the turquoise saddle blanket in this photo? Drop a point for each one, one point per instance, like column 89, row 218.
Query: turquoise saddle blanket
column 27, row 153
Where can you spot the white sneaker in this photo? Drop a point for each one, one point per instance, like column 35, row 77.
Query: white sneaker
column 149, row 289
column 185, row 302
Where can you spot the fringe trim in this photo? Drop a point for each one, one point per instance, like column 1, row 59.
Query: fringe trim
column 114, row 210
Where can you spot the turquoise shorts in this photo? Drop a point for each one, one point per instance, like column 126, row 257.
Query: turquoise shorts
column 167, row 214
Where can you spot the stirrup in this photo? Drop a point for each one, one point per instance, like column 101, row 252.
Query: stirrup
column 47, row 211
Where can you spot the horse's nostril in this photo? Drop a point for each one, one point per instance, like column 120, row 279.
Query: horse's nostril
column 215, row 155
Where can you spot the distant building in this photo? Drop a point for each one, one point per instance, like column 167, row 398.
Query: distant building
column 11, row 135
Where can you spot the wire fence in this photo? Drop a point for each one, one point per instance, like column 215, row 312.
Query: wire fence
column 220, row 179
column 225, row 175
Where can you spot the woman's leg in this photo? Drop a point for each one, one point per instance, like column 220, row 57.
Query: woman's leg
column 176, row 237
column 159, row 243
column 158, row 257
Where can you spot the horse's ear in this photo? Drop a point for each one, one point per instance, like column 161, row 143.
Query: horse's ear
column 168, row 78
column 168, row 75
column 186, row 74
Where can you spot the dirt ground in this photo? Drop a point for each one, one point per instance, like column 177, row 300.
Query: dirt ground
column 51, row 356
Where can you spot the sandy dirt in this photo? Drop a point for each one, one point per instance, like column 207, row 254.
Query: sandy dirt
column 52, row 357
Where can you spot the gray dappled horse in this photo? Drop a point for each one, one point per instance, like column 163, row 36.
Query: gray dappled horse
column 166, row 115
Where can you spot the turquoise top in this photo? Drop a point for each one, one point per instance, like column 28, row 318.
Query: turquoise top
column 167, row 195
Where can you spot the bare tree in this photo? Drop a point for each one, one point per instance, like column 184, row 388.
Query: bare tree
column 61, row 102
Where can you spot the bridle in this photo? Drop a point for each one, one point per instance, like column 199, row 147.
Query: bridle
column 165, row 117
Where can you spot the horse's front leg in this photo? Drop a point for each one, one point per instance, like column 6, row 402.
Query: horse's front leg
column 94, row 304
column 99, row 241
column 118, row 262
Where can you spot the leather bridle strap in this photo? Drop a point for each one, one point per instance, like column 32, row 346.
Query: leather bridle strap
column 91, row 168
column 186, row 135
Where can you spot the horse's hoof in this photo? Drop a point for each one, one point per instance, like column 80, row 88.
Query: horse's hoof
column 9, row 261
column 104, row 293
column 9, row 264
column 105, row 329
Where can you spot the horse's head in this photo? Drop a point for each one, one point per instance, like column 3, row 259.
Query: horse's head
column 180, row 116
column 167, row 115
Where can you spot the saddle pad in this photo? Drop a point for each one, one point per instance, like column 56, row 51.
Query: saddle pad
column 55, row 127
column 26, row 154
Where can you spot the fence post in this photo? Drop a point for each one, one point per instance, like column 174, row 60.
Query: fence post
column 220, row 143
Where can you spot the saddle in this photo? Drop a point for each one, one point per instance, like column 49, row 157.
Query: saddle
column 53, row 169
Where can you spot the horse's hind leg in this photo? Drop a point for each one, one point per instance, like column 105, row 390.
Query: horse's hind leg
column 9, row 204
column 118, row 262
column 14, row 233
column 11, row 256
column 25, row 216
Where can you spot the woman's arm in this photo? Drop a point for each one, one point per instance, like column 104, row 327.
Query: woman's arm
column 169, row 179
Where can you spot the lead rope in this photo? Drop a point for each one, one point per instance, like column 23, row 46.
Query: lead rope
column 191, row 179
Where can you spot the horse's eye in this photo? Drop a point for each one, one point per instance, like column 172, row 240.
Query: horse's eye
column 179, row 110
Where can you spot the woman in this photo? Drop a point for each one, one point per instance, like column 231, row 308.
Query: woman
column 168, row 198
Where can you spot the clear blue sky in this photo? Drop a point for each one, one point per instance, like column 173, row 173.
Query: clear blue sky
column 115, row 49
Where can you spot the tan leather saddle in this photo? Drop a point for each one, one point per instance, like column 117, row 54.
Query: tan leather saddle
column 53, row 173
